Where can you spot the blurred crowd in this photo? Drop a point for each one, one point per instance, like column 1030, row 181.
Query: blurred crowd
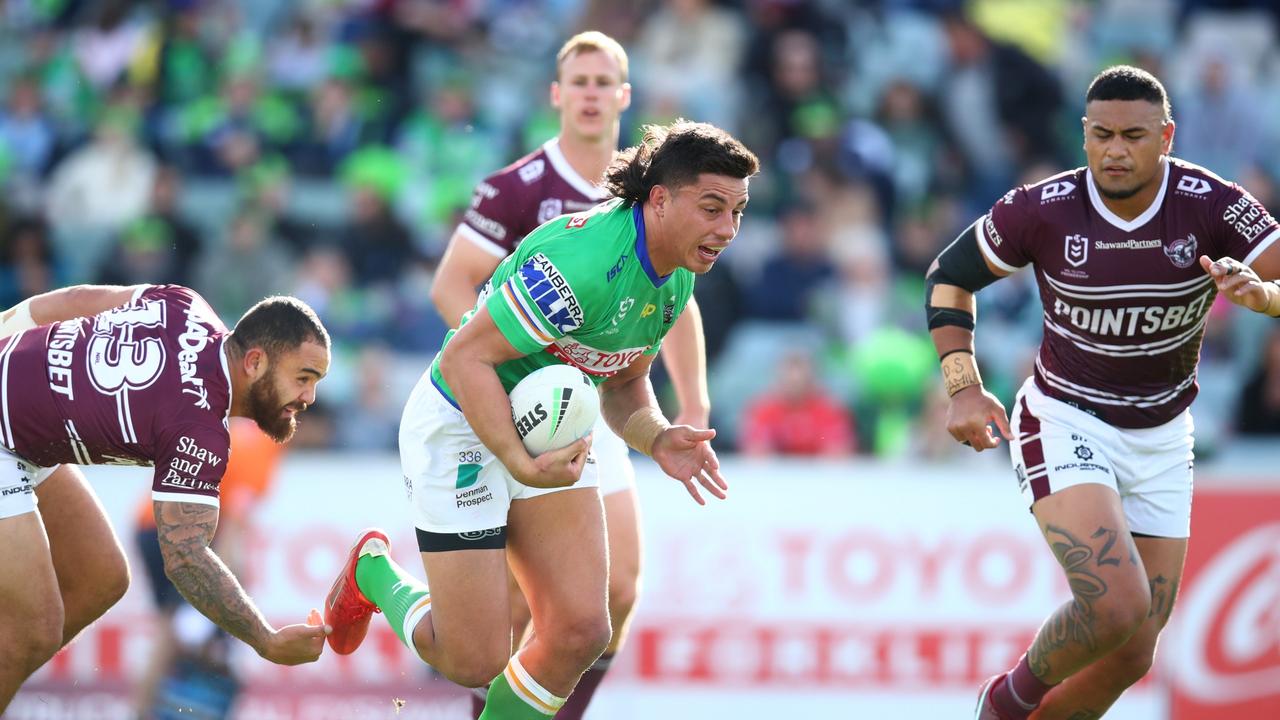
column 326, row 148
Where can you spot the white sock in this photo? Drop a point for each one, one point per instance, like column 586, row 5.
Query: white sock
column 528, row 689
column 411, row 621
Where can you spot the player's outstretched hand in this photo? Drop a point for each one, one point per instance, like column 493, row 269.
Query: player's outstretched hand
column 1237, row 282
column 972, row 411
column 685, row 454
column 559, row 468
column 297, row 644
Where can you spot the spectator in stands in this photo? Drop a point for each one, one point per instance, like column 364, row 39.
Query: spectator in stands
column 185, row 68
column 797, row 105
column 336, row 128
column 221, row 134
column 922, row 151
column 324, row 283
column 1260, row 398
column 376, row 242
column 26, row 130
column 1219, row 124
column 159, row 247
column 105, row 50
column 1000, row 104
column 690, row 50
column 788, row 280
column 720, row 300
column 265, row 188
column 385, row 81
column 447, row 146
column 248, row 266
column 107, row 183
column 28, row 264
column 797, row 416
column 766, row 20
column 70, row 100
column 298, row 59
column 142, row 254
column 859, row 297
column 370, row 419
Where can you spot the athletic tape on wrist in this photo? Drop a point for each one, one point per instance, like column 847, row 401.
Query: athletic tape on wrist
column 643, row 428
column 16, row 319
column 959, row 371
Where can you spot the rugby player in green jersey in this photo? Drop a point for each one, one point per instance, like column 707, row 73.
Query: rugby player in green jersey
column 562, row 176
column 597, row 290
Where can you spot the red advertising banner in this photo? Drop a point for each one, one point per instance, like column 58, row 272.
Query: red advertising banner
column 1226, row 639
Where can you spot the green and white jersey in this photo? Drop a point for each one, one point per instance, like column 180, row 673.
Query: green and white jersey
column 580, row 290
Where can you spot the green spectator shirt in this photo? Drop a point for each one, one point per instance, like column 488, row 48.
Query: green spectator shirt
column 580, row 290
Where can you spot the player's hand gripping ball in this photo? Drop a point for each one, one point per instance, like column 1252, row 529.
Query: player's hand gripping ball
column 554, row 406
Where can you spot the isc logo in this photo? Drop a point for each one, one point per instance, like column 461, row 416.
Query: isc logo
column 576, row 222
column 531, row 420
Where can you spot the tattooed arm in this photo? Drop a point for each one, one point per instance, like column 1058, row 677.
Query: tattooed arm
column 185, row 531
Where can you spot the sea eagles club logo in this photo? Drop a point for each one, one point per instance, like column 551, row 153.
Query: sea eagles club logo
column 1182, row 252
column 1077, row 250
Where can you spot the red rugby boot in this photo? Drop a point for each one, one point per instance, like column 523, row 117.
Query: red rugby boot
column 347, row 610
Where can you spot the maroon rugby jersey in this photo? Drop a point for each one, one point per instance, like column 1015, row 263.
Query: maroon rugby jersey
column 141, row 384
column 1124, row 302
column 510, row 203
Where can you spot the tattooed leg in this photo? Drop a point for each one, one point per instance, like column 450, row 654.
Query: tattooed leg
column 1085, row 528
column 1089, row 693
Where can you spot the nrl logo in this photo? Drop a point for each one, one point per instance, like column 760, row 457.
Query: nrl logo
column 551, row 207
column 1182, row 252
column 1076, row 250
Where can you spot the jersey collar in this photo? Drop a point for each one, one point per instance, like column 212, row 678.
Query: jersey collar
column 642, row 248
column 1116, row 220
column 560, row 163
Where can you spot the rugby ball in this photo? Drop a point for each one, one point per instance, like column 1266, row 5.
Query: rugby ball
column 553, row 406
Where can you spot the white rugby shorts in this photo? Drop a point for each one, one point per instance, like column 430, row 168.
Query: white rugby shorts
column 613, row 458
column 455, row 484
column 18, row 481
column 1056, row 446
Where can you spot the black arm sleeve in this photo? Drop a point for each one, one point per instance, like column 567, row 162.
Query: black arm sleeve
column 961, row 265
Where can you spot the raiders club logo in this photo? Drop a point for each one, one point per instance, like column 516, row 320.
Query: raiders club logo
column 1077, row 250
column 1182, row 252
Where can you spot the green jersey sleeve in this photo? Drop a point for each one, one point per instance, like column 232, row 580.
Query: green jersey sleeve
column 581, row 290
column 535, row 305
column 541, row 292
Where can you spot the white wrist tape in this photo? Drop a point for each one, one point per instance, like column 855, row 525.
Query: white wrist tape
column 16, row 319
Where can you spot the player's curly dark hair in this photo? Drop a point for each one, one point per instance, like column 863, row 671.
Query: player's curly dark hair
column 675, row 155
column 1125, row 82
column 278, row 324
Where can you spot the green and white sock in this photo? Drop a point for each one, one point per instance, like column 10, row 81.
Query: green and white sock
column 401, row 597
column 515, row 695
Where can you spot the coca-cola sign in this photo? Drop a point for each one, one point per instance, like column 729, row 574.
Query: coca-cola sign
column 1224, row 650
